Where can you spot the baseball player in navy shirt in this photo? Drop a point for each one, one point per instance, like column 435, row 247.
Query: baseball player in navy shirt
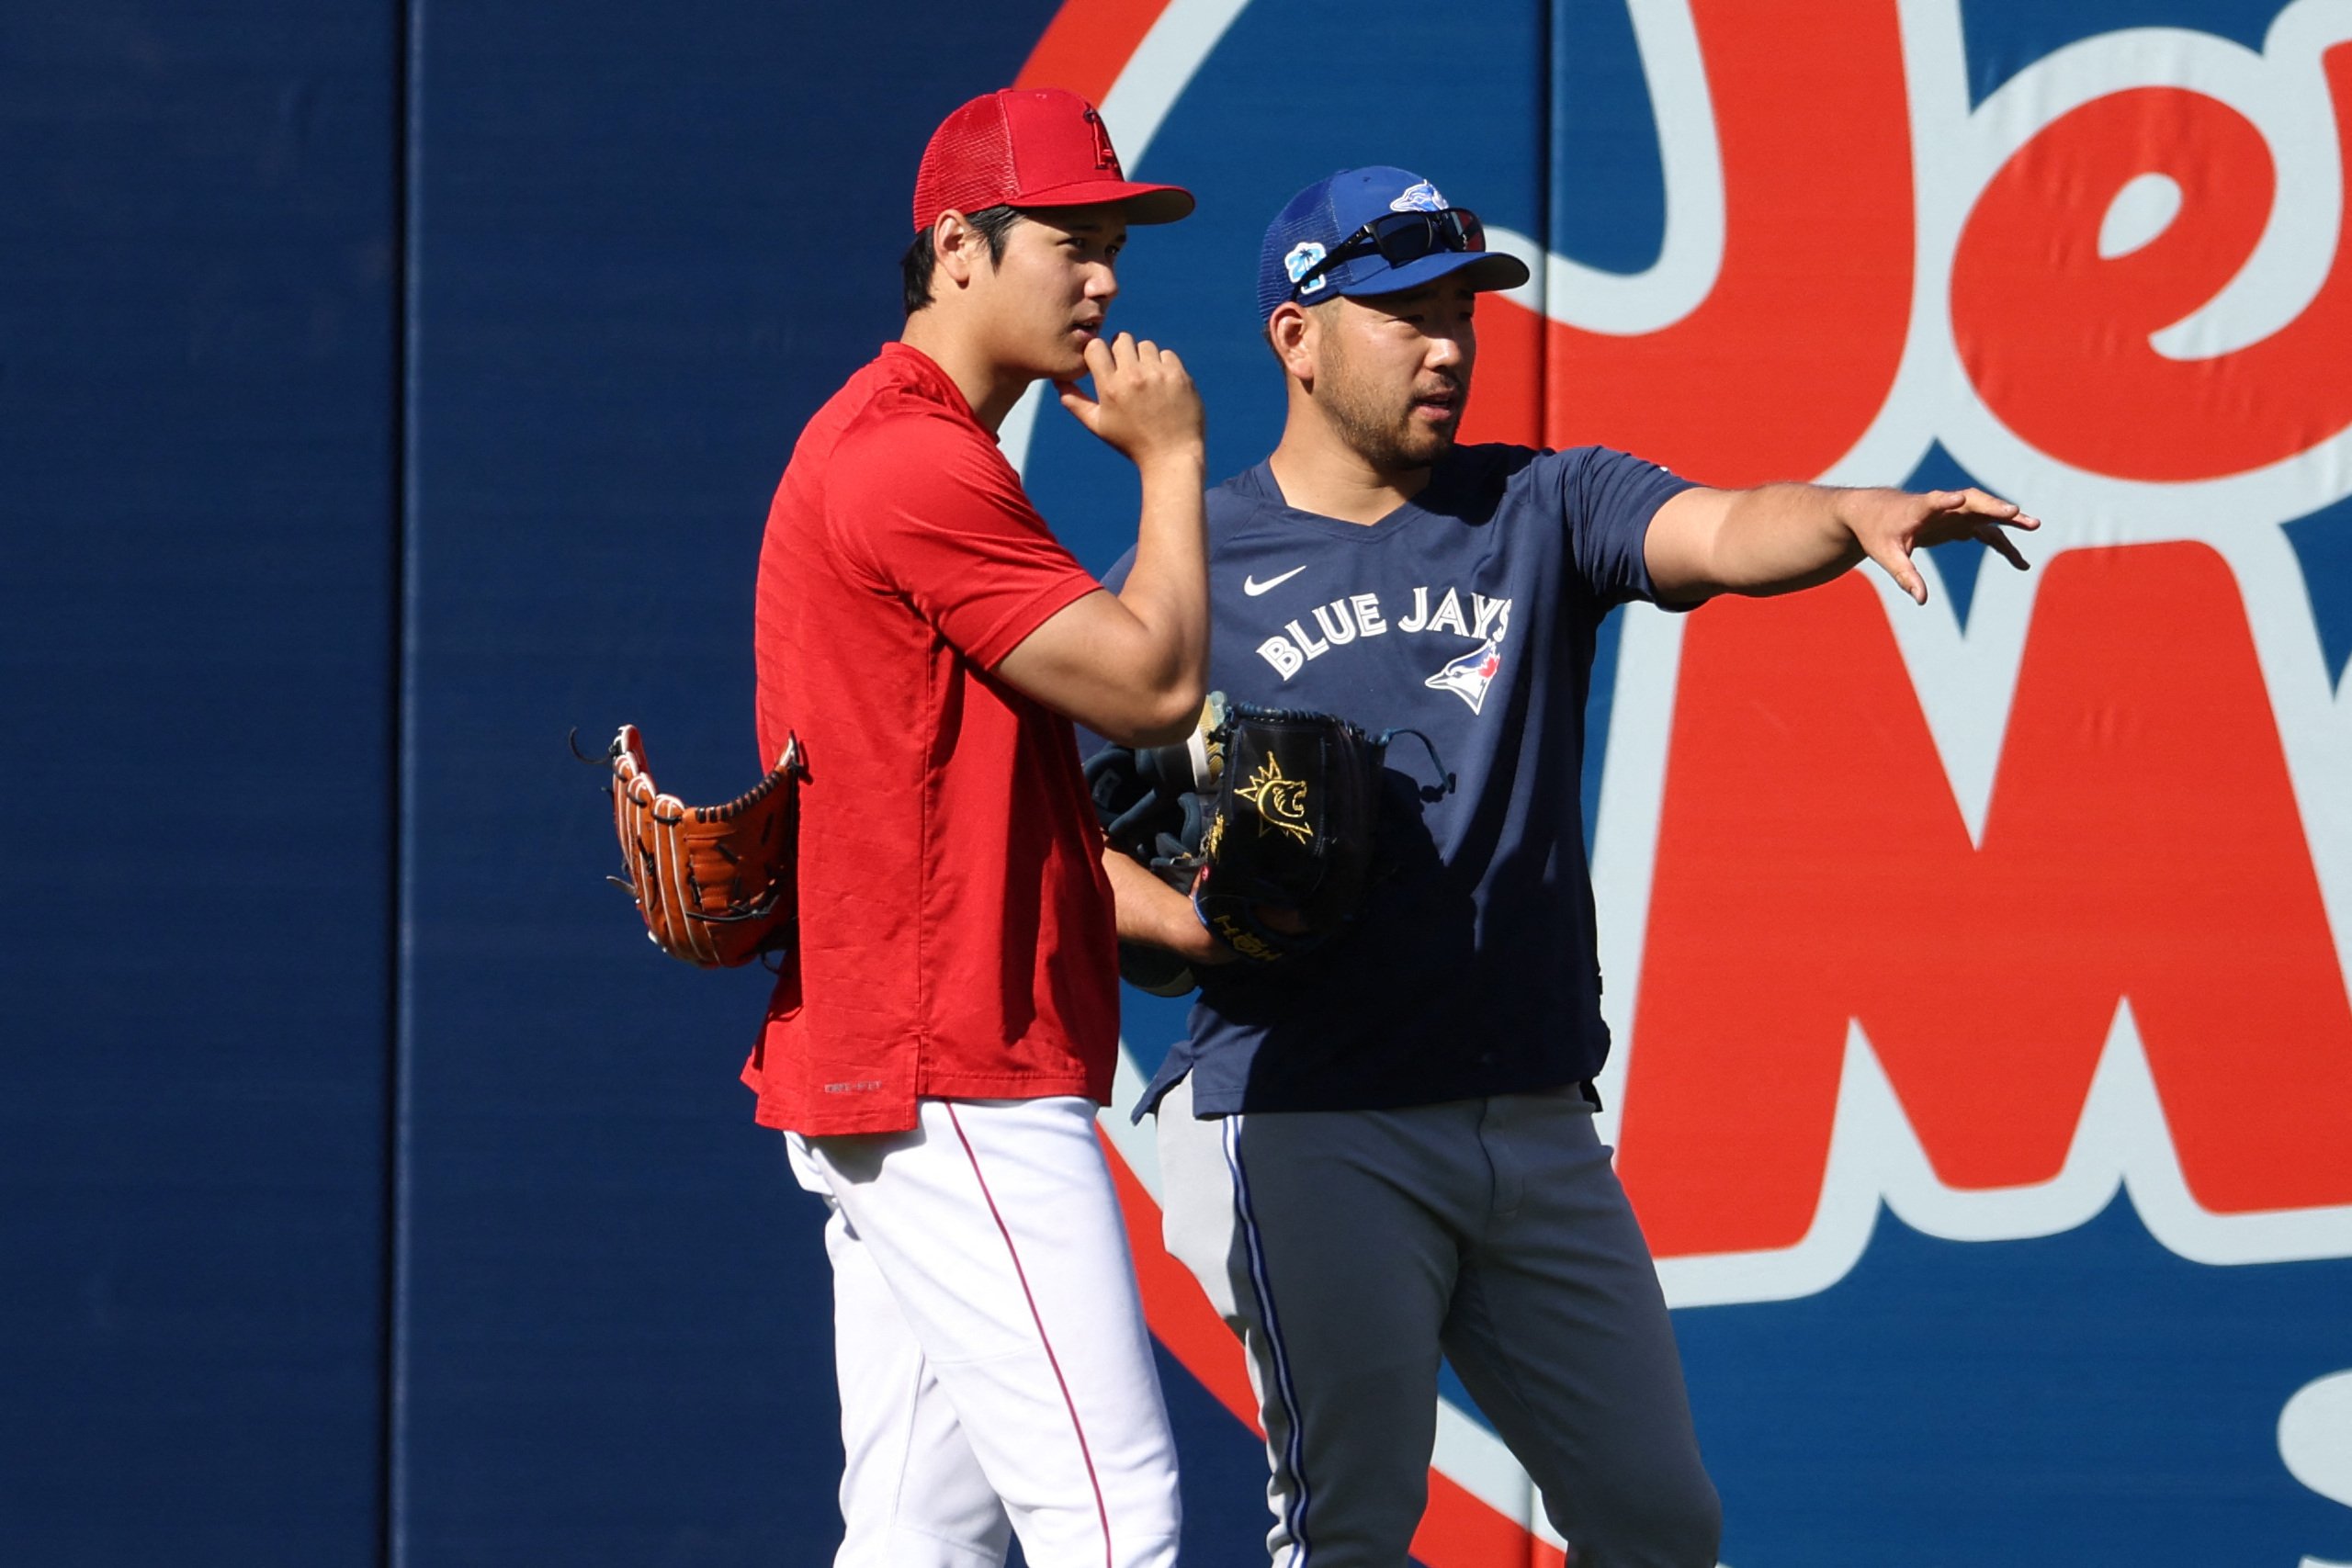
column 1384, row 1150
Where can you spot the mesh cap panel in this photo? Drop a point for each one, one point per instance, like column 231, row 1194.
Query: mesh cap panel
column 969, row 164
column 1308, row 217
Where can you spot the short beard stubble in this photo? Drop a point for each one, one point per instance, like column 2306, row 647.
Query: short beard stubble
column 1386, row 435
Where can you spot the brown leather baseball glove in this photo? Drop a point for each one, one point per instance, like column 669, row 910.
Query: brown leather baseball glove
column 715, row 883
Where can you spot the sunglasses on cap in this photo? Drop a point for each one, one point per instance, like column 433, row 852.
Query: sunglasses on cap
column 1398, row 238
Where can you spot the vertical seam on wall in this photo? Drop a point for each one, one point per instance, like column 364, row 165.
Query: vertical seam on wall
column 393, row 1488
column 1546, row 237
column 1546, row 85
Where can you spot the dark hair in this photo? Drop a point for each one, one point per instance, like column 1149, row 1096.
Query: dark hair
column 991, row 223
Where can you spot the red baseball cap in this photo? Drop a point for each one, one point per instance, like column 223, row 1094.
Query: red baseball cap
column 1032, row 147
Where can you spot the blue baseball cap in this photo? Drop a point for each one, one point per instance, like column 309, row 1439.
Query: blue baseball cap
column 1367, row 219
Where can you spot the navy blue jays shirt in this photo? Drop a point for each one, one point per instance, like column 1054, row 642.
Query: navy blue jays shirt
column 1469, row 614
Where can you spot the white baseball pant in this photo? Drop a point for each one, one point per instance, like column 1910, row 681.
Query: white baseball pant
column 996, row 1373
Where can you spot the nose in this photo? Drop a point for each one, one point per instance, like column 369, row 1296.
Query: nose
column 1101, row 282
column 1453, row 344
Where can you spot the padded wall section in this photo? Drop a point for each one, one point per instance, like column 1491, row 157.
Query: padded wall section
column 197, row 238
column 1957, row 1362
column 1750, row 215
column 650, row 241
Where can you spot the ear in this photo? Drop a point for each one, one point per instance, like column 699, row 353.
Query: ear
column 1291, row 330
column 956, row 248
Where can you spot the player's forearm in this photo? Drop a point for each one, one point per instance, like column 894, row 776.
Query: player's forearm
column 1152, row 913
column 1775, row 538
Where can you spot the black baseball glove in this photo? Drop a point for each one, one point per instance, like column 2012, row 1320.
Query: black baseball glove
column 1266, row 819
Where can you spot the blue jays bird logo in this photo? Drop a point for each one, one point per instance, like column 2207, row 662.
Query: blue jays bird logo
column 1421, row 196
column 1469, row 676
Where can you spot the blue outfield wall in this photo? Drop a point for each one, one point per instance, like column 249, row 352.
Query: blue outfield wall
column 199, row 232
column 388, row 388
column 648, row 243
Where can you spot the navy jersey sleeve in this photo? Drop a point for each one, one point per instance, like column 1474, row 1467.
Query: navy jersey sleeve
column 1607, row 500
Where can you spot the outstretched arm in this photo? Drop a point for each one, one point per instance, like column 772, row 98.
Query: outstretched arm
column 1778, row 539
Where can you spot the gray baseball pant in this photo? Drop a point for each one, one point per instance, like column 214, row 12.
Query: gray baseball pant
column 1348, row 1249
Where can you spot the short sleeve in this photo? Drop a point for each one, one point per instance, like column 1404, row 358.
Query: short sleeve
column 925, row 503
column 1607, row 500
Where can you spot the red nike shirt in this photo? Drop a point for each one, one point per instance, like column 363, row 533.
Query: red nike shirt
column 956, row 935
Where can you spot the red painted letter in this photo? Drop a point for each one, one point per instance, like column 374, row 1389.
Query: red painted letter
column 2143, row 842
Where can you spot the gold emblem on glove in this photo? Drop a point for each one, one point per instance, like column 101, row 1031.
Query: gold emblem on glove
column 1280, row 802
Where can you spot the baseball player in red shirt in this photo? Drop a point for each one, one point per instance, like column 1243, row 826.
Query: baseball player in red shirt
column 938, row 1045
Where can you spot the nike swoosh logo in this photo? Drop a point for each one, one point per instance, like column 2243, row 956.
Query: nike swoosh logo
column 1253, row 587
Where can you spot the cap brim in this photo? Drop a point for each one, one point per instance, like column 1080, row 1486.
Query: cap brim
column 1138, row 203
column 1484, row 270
